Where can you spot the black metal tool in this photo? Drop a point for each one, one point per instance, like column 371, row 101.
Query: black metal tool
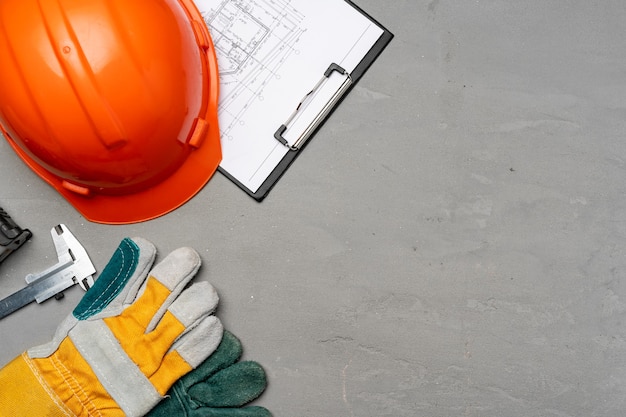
column 12, row 237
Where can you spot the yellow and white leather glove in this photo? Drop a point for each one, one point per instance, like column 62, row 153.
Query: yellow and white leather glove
column 134, row 334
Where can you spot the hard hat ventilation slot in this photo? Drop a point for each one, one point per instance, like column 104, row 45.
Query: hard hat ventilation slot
column 199, row 133
column 201, row 35
column 76, row 189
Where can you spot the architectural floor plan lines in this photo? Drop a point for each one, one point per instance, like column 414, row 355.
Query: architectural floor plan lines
column 270, row 53
column 252, row 40
column 236, row 35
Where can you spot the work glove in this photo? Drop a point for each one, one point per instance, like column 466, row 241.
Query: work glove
column 134, row 334
column 220, row 387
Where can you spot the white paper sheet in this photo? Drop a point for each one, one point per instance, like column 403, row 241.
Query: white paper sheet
column 271, row 53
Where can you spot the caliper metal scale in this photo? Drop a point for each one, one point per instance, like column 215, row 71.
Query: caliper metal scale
column 73, row 267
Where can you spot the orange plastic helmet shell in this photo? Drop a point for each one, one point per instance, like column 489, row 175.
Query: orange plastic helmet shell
column 112, row 102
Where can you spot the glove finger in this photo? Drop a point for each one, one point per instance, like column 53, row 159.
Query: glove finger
column 252, row 411
column 164, row 284
column 199, row 342
column 228, row 352
column 192, row 306
column 234, row 386
column 120, row 280
column 194, row 346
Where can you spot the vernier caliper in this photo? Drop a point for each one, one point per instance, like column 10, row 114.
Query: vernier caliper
column 74, row 267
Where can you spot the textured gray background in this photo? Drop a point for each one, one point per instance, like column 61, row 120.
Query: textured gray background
column 451, row 243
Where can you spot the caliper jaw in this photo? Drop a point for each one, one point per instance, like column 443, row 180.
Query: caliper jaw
column 73, row 267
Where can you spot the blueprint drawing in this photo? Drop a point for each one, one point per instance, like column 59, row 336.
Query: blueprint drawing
column 252, row 39
column 270, row 53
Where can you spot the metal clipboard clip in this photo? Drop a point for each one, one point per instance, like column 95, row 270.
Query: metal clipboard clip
column 321, row 115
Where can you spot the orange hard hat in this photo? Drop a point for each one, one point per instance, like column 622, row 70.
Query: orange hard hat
column 112, row 102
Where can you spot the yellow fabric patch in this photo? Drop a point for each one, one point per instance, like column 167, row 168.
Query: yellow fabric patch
column 150, row 350
column 71, row 376
column 17, row 381
column 139, row 314
column 171, row 370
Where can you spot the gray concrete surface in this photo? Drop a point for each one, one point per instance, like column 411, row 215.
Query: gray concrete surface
column 451, row 243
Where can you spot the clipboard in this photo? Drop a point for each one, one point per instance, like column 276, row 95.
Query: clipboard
column 297, row 119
